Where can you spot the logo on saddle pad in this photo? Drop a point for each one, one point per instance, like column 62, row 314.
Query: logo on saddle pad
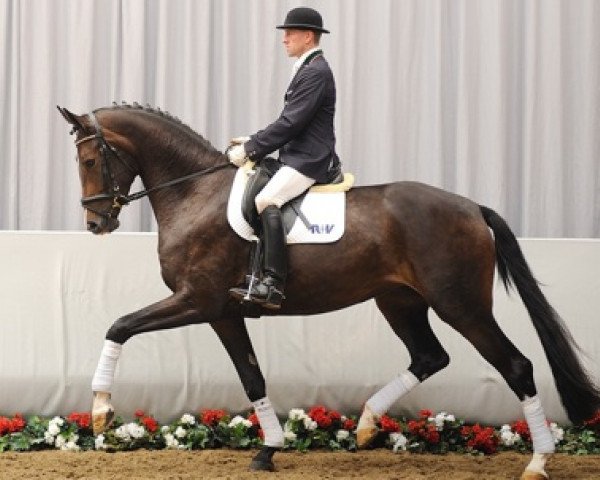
column 321, row 229
column 317, row 217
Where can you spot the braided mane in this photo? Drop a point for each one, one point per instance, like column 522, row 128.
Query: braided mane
column 162, row 114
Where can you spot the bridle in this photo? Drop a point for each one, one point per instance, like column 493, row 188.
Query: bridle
column 108, row 176
column 110, row 187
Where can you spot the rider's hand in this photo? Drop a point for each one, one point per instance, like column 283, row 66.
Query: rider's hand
column 238, row 140
column 237, row 155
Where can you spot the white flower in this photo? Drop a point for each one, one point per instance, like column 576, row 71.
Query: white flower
column 48, row 438
column 60, row 441
column 135, row 430
column 297, row 414
column 450, row 418
column 57, row 421
column 122, row 433
column 180, row 432
column 439, row 420
column 99, row 442
column 342, row 435
column 239, row 419
column 507, row 436
column 170, row 441
column 165, row 429
column 53, row 429
column 343, row 418
column 399, row 441
column 289, row 435
column 309, row 423
column 188, row 419
column 71, row 446
column 68, row 443
column 557, row 432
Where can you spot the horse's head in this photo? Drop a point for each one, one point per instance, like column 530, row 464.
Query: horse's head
column 106, row 171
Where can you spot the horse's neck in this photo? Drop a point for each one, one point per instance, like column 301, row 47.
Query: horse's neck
column 168, row 202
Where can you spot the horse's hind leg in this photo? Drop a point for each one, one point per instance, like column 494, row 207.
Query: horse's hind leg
column 406, row 312
column 479, row 327
column 234, row 336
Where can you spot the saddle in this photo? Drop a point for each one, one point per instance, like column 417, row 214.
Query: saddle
column 291, row 211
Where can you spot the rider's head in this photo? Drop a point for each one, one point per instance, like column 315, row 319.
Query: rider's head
column 303, row 27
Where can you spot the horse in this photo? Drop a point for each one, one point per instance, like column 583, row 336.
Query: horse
column 409, row 246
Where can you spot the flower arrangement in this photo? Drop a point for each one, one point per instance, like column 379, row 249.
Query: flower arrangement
column 318, row 428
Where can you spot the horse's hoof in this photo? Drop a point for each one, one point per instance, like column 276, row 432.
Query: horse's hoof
column 529, row 475
column 102, row 419
column 262, row 466
column 366, row 430
column 365, row 436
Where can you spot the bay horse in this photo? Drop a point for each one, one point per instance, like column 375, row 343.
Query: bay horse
column 408, row 246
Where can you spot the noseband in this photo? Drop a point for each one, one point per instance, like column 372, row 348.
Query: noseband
column 111, row 187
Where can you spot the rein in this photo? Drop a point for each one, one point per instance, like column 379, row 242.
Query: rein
column 119, row 200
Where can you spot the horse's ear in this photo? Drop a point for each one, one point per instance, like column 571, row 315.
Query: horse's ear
column 71, row 118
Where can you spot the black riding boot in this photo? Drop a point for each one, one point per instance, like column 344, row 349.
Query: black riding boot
column 268, row 291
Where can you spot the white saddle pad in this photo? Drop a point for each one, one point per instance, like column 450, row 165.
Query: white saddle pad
column 324, row 211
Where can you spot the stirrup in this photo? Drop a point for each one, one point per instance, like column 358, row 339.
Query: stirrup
column 241, row 293
column 272, row 300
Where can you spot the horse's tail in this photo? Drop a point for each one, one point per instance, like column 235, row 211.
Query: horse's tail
column 579, row 395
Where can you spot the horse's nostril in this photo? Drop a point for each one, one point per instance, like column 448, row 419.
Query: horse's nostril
column 92, row 226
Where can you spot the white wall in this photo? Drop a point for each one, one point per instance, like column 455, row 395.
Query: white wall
column 60, row 292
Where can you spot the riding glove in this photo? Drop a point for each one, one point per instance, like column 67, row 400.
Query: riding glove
column 237, row 155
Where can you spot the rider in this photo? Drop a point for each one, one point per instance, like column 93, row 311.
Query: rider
column 304, row 135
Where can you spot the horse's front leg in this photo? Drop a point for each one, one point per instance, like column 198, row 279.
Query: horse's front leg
column 174, row 311
column 234, row 336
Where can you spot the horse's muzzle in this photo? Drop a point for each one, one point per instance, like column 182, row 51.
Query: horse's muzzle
column 106, row 225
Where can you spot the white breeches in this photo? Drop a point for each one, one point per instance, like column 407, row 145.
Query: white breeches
column 285, row 185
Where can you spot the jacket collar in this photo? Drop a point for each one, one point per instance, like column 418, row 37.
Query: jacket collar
column 305, row 59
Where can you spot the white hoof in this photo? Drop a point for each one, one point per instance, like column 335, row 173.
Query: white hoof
column 103, row 412
column 529, row 475
column 367, row 430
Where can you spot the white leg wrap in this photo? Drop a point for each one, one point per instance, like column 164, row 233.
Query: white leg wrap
column 105, row 371
column 269, row 423
column 385, row 398
column 541, row 436
column 538, row 462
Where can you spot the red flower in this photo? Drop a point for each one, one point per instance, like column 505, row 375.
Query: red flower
column 324, row 418
column 254, row 419
column 480, row 438
column 433, row 436
column 324, row 421
column 349, row 424
column 416, row 426
column 16, row 424
column 150, row 424
column 389, row 424
column 335, row 415
column 425, row 413
column 594, row 421
column 82, row 419
column 139, row 413
column 521, row 427
column 4, row 426
column 261, row 434
column 317, row 411
column 212, row 417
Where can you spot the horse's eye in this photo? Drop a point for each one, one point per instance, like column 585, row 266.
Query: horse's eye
column 90, row 163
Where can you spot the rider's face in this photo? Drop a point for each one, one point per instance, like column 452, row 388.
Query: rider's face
column 297, row 42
